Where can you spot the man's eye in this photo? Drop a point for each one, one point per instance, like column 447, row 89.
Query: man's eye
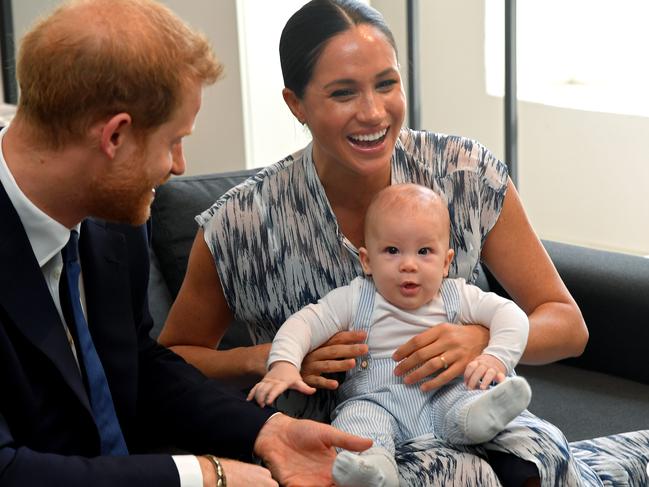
column 392, row 250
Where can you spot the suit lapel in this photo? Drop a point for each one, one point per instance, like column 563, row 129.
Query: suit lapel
column 27, row 301
column 104, row 257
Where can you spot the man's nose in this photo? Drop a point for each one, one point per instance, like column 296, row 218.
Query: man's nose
column 178, row 164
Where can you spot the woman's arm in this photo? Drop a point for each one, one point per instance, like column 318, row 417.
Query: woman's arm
column 200, row 317
column 515, row 256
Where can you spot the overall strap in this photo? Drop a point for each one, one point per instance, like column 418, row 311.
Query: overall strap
column 363, row 318
column 451, row 299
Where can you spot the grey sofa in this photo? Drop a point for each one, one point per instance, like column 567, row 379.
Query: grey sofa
column 601, row 393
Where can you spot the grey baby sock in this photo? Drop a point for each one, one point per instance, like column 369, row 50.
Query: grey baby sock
column 373, row 468
column 488, row 414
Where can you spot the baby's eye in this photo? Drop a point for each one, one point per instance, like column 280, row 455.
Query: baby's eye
column 392, row 250
column 424, row 251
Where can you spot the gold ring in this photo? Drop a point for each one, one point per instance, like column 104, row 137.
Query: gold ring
column 444, row 363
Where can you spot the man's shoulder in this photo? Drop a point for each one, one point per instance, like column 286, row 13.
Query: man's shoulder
column 98, row 226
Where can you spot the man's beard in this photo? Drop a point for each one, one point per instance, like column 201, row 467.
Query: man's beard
column 126, row 195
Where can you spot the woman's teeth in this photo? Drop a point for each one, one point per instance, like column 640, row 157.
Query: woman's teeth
column 369, row 137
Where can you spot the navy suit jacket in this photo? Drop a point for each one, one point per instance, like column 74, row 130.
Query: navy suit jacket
column 47, row 434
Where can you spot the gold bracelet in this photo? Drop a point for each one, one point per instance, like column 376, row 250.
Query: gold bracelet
column 218, row 468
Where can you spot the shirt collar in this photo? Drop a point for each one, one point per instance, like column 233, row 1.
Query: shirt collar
column 46, row 236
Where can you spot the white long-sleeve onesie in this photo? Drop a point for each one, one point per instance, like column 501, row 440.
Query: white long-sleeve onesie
column 390, row 327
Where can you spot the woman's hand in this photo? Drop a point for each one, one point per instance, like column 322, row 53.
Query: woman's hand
column 445, row 348
column 336, row 355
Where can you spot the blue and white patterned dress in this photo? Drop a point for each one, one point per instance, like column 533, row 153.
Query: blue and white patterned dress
column 277, row 247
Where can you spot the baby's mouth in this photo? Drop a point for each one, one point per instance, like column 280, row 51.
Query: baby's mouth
column 410, row 285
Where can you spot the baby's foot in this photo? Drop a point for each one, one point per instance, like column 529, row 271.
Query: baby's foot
column 354, row 470
column 490, row 413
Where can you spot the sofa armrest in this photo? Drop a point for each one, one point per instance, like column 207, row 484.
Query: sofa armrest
column 612, row 291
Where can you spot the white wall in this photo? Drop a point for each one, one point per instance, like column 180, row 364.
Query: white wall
column 271, row 130
column 217, row 143
column 218, row 140
column 583, row 176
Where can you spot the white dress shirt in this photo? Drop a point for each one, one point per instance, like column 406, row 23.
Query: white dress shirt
column 47, row 238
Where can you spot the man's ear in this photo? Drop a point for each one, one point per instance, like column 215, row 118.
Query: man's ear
column 112, row 133
column 447, row 262
column 365, row 261
column 294, row 104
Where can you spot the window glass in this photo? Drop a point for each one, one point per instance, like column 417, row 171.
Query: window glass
column 584, row 54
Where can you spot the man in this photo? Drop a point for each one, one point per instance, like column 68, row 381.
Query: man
column 109, row 88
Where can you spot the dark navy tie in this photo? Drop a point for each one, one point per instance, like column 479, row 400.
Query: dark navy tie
column 101, row 401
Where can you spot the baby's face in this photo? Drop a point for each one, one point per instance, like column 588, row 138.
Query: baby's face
column 407, row 256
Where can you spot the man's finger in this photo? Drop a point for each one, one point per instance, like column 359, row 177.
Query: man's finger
column 346, row 441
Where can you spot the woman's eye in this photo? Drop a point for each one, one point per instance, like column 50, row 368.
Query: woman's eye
column 385, row 85
column 342, row 93
column 392, row 250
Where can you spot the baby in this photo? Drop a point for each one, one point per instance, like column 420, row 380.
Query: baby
column 404, row 291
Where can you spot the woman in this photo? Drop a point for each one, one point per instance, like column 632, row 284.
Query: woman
column 290, row 234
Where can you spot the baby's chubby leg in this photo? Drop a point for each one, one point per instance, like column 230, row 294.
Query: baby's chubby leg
column 476, row 416
column 375, row 467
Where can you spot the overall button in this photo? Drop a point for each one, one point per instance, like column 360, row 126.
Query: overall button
column 364, row 364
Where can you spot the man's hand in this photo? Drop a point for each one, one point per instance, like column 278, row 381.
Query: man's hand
column 484, row 370
column 281, row 376
column 300, row 452
column 236, row 473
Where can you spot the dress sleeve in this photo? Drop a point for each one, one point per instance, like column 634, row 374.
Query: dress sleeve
column 494, row 177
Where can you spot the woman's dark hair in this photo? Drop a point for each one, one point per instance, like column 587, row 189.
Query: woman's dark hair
column 308, row 30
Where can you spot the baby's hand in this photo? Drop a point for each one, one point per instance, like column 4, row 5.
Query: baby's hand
column 281, row 376
column 482, row 371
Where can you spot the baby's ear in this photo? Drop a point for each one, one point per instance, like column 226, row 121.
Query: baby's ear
column 365, row 261
column 447, row 262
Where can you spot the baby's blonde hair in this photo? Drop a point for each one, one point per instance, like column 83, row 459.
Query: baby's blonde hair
column 404, row 198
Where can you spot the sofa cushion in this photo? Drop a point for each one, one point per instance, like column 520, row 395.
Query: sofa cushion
column 585, row 404
column 176, row 204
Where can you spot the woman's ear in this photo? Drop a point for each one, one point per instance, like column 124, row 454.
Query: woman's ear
column 112, row 133
column 365, row 261
column 294, row 104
